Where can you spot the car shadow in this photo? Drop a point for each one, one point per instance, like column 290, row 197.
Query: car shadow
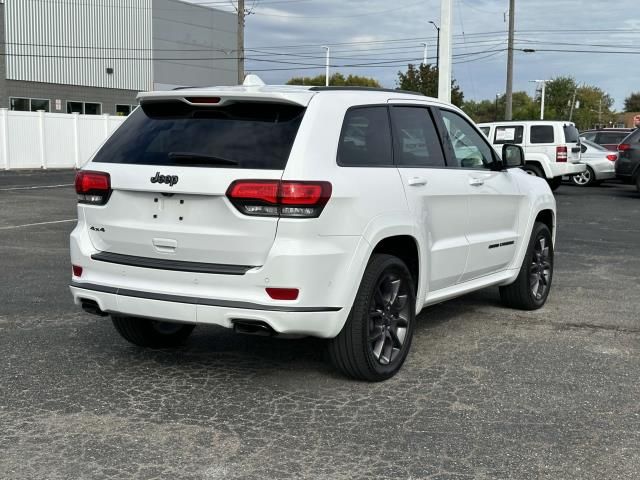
column 212, row 348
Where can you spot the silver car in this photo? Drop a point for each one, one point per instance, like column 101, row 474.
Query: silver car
column 600, row 164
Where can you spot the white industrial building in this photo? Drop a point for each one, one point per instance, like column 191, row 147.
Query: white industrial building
column 94, row 56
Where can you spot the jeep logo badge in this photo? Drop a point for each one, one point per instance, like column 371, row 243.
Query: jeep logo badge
column 171, row 180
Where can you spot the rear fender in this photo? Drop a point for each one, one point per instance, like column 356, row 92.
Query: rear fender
column 541, row 160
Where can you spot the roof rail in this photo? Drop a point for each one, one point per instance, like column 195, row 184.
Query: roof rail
column 370, row 89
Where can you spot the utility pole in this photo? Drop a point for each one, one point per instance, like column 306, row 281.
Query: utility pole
column 508, row 110
column 573, row 103
column 326, row 66
column 240, row 47
column 600, row 111
column 424, row 55
column 444, row 52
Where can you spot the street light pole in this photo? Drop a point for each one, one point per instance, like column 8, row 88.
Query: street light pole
column 544, row 85
column 438, row 44
column 424, row 55
column 326, row 67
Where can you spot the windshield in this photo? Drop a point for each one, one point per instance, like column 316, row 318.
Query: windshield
column 247, row 135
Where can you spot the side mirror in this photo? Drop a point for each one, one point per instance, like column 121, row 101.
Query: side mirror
column 512, row 156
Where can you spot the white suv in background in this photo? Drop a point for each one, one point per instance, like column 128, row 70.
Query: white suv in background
column 333, row 212
column 551, row 148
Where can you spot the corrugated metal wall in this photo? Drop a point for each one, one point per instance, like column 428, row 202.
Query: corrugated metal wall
column 73, row 42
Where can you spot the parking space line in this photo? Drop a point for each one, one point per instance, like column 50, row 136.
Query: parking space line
column 37, row 224
column 36, row 187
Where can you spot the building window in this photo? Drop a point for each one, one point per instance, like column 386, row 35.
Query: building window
column 29, row 104
column 92, row 108
column 75, row 107
column 86, row 108
column 20, row 104
column 39, row 104
column 123, row 110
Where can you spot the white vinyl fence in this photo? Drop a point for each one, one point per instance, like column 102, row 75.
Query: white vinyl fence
column 51, row 140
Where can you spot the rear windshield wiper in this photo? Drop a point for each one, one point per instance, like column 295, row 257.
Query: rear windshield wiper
column 199, row 159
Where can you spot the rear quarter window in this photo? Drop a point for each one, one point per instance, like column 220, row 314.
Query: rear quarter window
column 542, row 134
column 365, row 139
column 571, row 134
column 246, row 135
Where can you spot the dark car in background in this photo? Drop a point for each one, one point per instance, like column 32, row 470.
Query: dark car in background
column 609, row 138
column 628, row 163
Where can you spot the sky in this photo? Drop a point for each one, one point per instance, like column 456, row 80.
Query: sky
column 285, row 38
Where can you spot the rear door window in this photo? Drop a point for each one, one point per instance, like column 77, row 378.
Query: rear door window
column 415, row 138
column 542, row 134
column 246, row 135
column 508, row 134
column 365, row 140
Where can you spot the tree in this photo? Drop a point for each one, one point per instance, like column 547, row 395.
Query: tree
column 524, row 108
column 336, row 80
column 424, row 79
column 632, row 102
column 559, row 93
column 594, row 105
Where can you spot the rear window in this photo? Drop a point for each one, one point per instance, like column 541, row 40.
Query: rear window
column 571, row 134
column 542, row 134
column 240, row 135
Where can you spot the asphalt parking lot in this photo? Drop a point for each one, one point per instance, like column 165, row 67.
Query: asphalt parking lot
column 486, row 393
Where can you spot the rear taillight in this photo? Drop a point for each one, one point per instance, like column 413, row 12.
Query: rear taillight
column 277, row 198
column 623, row 147
column 613, row 157
column 561, row 153
column 77, row 270
column 93, row 188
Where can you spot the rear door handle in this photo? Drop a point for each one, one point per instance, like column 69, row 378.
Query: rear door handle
column 417, row 181
column 476, row 182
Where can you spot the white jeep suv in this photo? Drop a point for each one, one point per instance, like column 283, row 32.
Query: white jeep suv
column 551, row 148
column 333, row 212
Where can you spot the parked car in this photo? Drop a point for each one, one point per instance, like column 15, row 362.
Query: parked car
column 551, row 148
column 628, row 164
column 600, row 165
column 301, row 211
column 607, row 137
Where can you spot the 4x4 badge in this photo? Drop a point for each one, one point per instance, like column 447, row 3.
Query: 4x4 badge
column 171, row 180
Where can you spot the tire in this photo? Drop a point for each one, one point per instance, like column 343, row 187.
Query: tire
column 554, row 183
column 585, row 179
column 537, row 267
column 376, row 338
column 151, row 333
column 533, row 170
column 638, row 183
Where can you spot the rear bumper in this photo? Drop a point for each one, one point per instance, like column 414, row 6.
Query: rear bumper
column 566, row 169
column 315, row 321
column 326, row 270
